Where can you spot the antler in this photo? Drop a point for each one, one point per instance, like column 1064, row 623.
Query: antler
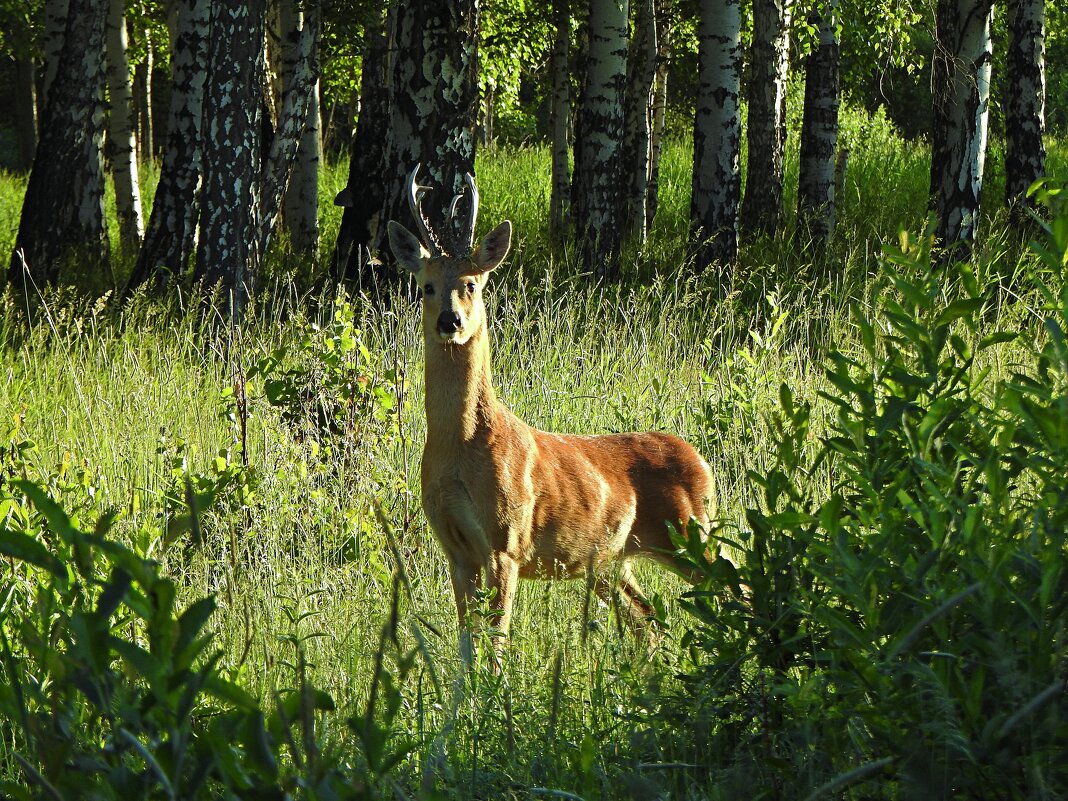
column 426, row 234
column 465, row 235
column 463, row 230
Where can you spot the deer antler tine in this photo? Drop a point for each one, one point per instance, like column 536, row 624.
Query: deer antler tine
column 414, row 190
column 470, row 233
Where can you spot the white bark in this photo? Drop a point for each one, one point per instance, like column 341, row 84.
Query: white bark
column 120, row 131
column 169, row 239
column 1025, row 103
column 300, row 209
column 52, row 44
column 766, row 130
column 598, row 142
column 717, row 134
column 961, row 110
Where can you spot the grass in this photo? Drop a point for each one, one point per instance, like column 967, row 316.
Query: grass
column 116, row 397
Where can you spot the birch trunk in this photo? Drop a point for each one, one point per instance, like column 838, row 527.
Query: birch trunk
column 300, row 208
column 293, row 117
column 121, row 132
column 658, row 111
column 717, row 135
column 1025, row 102
column 434, row 107
column 227, row 256
column 766, row 129
column 142, row 90
column 25, row 110
column 63, row 208
column 641, row 74
column 172, row 226
column 560, row 199
column 819, row 132
column 961, row 109
column 364, row 194
column 597, row 185
column 55, row 27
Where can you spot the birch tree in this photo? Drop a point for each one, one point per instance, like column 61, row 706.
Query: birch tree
column 560, row 199
column 300, row 209
column 168, row 242
column 819, row 130
column 55, row 27
column 766, row 129
column 63, row 208
column 227, row 256
column 961, row 82
column 289, row 136
column 597, row 182
column 434, row 106
column 1025, row 101
column 641, row 73
column 658, row 107
column 121, row 132
column 717, row 135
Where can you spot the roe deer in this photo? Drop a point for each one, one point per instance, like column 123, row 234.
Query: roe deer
column 507, row 497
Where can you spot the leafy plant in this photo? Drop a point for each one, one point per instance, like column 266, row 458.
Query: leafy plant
column 904, row 590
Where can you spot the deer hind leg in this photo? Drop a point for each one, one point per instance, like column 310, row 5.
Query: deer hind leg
column 621, row 590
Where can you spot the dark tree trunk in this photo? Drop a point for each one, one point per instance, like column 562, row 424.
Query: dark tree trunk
column 717, row 135
column 227, row 256
column 25, row 110
column 641, row 74
column 961, row 109
column 597, row 182
column 434, row 109
column 766, row 129
column 363, row 196
column 1025, row 102
column 560, row 199
column 63, row 209
column 168, row 242
column 819, row 133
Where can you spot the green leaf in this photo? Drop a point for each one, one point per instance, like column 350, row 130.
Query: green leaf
column 964, row 307
column 26, row 549
column 57, row 519
column 231, row 693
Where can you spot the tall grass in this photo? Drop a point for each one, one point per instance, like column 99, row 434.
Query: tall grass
column 121, row 400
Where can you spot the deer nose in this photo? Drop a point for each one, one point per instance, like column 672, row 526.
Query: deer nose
column 449, row 322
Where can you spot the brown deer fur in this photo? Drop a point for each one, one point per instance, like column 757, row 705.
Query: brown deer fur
column 519, row 502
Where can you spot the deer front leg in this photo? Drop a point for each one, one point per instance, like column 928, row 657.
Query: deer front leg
column 466, row 579
column 502, row 576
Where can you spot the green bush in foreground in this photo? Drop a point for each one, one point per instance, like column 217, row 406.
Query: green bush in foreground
column 899, row 608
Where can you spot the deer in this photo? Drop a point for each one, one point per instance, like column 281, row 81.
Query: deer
column 504, row 498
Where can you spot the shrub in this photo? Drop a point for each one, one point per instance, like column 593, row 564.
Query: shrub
column 897, row 608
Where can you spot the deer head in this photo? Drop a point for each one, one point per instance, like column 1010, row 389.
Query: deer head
column 450, row 270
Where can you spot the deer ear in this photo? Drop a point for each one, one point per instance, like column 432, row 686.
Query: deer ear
column 407, row 249
column 493, row 247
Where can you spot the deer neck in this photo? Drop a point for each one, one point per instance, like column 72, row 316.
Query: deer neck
column 460, row 400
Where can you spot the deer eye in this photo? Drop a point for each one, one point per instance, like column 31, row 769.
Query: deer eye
column 471, row 287
column 428, row 290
